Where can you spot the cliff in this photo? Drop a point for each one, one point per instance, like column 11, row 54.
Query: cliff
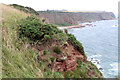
column 73, row 18
column 33, row 49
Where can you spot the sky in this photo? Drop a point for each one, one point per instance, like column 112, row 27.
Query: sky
column 84, row 5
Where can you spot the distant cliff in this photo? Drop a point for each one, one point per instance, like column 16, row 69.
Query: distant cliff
column 73, row 18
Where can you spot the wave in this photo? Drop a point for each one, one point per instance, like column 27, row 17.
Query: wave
column 115, row 26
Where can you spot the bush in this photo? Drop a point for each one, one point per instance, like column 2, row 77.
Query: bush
column 77, row 45
column 47, row 37
column 52, row 59
column 46, row 52
column 61, row 37
column 34, row 30
column 43, row 20
column 66, row 31
column 57, row 50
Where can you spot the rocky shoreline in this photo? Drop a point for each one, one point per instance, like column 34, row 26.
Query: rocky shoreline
column 70, row 27
column 79, row 25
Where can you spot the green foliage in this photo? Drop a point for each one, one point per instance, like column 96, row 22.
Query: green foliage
column 79, row 62
column 43, row 20
column 61, row 37
column 82, row 71
column 46, row 52
column 57, row 74
column 77, row 45
column 47, row 37
column 66, row 31
column 52, row 59
column 25, row 9
column 51, row 74
column 32, row 29
column 57, row 50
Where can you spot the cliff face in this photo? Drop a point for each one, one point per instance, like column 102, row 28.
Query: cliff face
column 32, row 49
column 72, row 18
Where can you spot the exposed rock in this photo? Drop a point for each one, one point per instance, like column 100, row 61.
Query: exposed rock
column 61, row 59
column 69, row 62
column 100, row 68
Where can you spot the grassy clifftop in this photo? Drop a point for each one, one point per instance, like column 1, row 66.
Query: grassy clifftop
column 25, row 9
column 72, row 18
column 32, row 49
column 15, row 57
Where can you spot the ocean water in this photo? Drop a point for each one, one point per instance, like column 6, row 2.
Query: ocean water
column 100, row 42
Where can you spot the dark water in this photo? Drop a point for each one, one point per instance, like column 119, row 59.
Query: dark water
column 100, row 43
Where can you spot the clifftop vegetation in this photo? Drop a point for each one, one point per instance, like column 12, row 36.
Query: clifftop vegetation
column 25, row 9
column 33, row 49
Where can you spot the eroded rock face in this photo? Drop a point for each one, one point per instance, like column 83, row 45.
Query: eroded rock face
column 68, row 63
column 66, row 60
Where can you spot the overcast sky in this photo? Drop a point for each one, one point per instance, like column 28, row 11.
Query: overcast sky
column 89, row 5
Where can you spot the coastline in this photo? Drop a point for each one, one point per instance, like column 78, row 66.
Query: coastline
column 70, row 27
column 97, row 57
column 79, row 25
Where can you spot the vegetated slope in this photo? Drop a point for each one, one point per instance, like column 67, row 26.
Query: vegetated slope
column 16, row 59
column 34, row 49
column 25, row 9
column 73, row 18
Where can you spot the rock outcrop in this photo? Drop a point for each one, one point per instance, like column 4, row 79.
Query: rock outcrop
column 67, row 61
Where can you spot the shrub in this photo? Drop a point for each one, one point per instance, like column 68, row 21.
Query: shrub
column 57, row 50
column 47, row 37
column 43, row 20
column 46, row 52
column 77, row 45
column 52, row 59
column 66, row 31
column 32, row 29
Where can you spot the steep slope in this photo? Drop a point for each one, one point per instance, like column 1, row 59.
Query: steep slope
column 15, row 57
column 25, row 9
column 32, row 49
column 73, row 18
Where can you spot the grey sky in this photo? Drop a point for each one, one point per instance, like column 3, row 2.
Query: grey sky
column 90, row 5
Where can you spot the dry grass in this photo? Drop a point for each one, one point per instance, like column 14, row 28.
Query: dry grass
column 16, row 59
column 0, row 43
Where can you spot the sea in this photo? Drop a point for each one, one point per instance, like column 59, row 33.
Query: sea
column 100, row 42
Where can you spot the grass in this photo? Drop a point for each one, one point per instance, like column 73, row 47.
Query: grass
column 0, row 42
column 17, row 60
column 25, row 9
column 82, row 69
column 57, row 50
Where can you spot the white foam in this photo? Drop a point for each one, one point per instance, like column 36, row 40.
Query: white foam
column 114, row 66
column 96, row 55
column 114, row 69
column 115, row 26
